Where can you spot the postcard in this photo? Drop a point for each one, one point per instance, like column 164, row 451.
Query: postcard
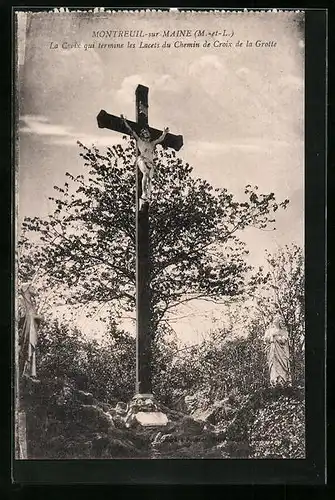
column 160, row 235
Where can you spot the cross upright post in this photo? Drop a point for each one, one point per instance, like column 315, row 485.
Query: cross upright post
column 143, row 264
column 144, row 333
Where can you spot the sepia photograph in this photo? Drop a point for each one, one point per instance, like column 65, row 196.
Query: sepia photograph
column 159, row 226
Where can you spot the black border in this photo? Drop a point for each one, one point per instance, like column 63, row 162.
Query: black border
column 309, row 471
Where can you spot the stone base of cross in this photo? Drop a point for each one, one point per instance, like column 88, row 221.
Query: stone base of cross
column 142, row 409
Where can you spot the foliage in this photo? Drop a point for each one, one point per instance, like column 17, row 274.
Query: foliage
column 60, row 351
column 217, row 367
column 272, row 422
column 113, row 366
column 278, row 429
column 237, row 364
column 87, row 246
column 105, row 369
column 266, row 422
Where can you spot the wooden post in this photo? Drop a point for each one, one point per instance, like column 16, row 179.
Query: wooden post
column 143, row 309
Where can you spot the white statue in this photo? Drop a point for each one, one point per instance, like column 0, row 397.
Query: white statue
column 28, row 337
column 145, row 159
column 277, row 352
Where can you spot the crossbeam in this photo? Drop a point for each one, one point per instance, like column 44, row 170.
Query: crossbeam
column 112, row 122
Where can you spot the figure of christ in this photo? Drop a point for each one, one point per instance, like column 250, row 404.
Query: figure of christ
column 145, row 159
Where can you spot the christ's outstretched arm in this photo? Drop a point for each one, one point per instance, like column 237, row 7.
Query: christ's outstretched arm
column 161, row 137
column 133, row 133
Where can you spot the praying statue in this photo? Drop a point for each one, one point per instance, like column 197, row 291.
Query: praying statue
column 28, row 334
column 277, row 352
column 145, row 159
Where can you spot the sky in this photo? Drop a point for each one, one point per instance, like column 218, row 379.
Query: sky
column 239, row 109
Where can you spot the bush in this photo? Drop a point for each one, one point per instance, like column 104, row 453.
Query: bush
column 278, row 430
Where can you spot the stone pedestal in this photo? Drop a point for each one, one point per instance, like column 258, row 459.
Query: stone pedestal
column 21, row 430
column 144, row 411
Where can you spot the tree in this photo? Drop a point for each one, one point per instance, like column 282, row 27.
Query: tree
column 87, row 246
column 280, row 288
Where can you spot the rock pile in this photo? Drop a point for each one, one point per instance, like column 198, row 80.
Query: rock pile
column 188, row 438
column 73, row 424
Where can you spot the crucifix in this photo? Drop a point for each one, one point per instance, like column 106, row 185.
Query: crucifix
column 143, row 260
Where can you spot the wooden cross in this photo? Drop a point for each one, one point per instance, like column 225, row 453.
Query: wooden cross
column 115, row 123
column 143, row 251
